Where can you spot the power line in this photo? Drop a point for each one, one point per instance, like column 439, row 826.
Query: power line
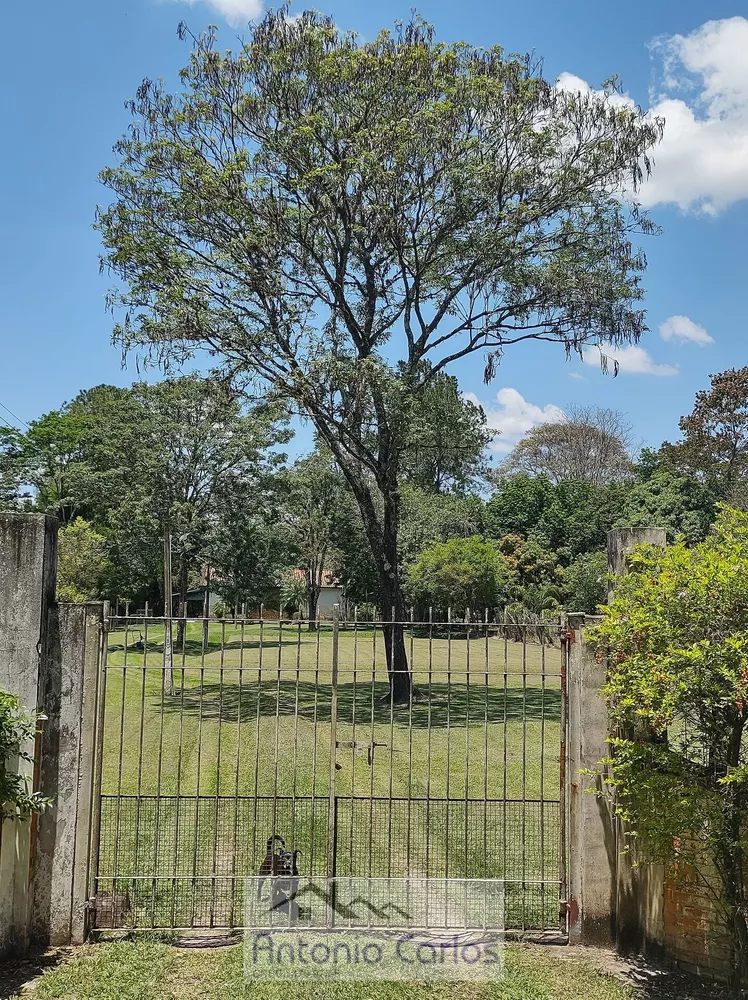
column 14, row 415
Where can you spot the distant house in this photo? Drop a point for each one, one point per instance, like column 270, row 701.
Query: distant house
column 330, row 593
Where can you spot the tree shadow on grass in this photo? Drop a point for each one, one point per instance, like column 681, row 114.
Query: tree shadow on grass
column 15, row 974
column 435, row 708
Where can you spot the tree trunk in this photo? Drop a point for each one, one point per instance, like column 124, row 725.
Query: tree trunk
column 730, row 861
column 312, row 597
column 382, row 535
column 732, row 875
column 392, row 607
column 182, row 624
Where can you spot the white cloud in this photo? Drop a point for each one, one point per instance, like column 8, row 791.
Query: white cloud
column 702, row 161
column 631, row 360
column 236, row 12
column 681, row 328
column 514, row 416
column 578, row 376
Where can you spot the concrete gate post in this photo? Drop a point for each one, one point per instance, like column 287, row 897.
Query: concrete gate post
column 592, row 840
column 28, row 556
column 49, row 659
column 60, row 912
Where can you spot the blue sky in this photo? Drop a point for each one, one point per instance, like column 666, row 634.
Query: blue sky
column 69, row 65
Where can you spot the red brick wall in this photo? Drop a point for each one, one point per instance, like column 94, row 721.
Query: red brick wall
column 695, row 934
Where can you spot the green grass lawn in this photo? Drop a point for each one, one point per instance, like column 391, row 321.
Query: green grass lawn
column 148, row 970
column 195, row 781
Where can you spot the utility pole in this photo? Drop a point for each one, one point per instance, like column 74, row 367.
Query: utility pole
column 168, row 610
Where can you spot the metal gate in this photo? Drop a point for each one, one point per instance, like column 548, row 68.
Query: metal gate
column 216, row 735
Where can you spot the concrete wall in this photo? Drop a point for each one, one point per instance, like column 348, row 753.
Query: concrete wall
column 49, row 658
column 28, row 550
column 328, row 598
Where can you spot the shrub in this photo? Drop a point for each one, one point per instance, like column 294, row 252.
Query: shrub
column 459, row 574
column 676, row 643
column 17, row 730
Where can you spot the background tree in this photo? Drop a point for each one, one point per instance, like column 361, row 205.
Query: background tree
column 201, row 452
column 247, row 553
column 676, row 643
column 346, row 220
column 589, row 444
column 187, row 452
column 11, row 469
column 585, row 582
column 447, row 439
column 568, row 518
column 677, row 501
column 79, row 457
column 311, row 511
column 82, row 564
column 435, row 517
column 715, row 434
column 459, row 574
column 518, row 504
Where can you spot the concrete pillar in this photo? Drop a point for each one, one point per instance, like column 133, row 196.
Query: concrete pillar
column 28, row 557
column 621, row 543
column 640, row 885
column 61, row 871
column 592, row 833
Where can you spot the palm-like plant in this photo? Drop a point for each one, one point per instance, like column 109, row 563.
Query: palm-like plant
column 293, row 592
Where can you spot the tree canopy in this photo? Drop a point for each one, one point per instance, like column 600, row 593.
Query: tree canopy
column 589, row 444
column 344, row 220
column 715, row 434
column 461, row 574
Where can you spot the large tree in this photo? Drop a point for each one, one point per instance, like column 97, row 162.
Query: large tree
column 344, row 220
column 183, row 453
column 588, row 443
column 715, row 435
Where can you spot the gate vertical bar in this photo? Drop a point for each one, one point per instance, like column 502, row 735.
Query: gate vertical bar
column 95, row 848
column 332, row 831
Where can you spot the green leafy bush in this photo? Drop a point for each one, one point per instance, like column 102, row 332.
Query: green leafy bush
column 17, row 730
column 586, row 582
column 459, row 574
column 676, row 644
